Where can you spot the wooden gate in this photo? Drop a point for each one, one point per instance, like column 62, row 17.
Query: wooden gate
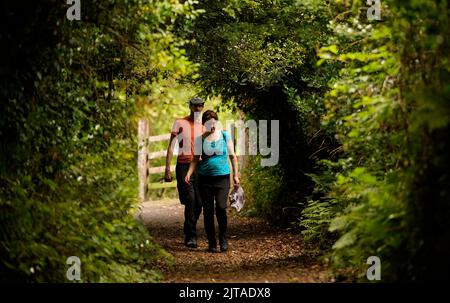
column 144, row 157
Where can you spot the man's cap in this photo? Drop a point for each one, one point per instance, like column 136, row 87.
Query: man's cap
column 196, row 100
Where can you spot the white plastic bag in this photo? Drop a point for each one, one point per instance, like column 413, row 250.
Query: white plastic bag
column 236, row 198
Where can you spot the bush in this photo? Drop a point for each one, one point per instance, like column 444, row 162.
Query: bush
column 89, row 215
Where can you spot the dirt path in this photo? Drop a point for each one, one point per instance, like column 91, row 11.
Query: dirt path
column 257, row 252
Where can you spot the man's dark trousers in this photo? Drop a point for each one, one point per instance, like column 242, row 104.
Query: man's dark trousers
column 190, row 198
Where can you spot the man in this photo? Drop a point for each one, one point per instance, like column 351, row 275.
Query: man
column 185, row 130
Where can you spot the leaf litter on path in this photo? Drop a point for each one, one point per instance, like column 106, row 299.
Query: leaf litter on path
column 257, row 251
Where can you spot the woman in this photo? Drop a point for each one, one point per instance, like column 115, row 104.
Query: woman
column 214, row 177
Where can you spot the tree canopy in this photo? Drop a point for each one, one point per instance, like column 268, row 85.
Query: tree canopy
column 362, row 105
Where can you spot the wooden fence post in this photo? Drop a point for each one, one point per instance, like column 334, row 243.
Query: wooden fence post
column 143, row 132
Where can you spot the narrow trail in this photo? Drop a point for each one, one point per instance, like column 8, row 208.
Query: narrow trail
column 257, row 252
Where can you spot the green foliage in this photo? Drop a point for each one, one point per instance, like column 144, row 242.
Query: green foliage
column 363, row 111
column 260, row 57
column 321, row 208
column 90, row 216
column 70, row 94
column 363, row 118
column 387, row 110
column 262, row 187
column 246, row 45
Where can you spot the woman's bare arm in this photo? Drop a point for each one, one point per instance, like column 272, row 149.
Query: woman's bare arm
column 234, row 162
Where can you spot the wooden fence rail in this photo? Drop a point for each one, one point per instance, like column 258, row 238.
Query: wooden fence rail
column 144, row 157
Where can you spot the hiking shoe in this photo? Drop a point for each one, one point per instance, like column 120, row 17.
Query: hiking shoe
column 212, row 247
column 223, row 245
column 192, row 243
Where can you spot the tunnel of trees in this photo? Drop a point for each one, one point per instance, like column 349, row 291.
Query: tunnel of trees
column 364, row 119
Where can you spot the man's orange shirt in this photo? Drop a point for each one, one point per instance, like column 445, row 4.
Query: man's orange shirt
column 186, row 130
